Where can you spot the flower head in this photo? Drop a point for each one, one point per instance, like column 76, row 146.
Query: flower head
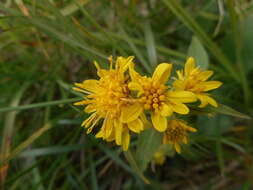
column 193, row 79
column 109, row 99
column 153, row 95
column 176, row 133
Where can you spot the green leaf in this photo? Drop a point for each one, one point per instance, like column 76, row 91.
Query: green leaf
column 223, row 109
column 213, row 126
column 150, row 44
column 135, row 167
column 149, row 142
column 167, row 150
column 247, row 49
column 197, row 50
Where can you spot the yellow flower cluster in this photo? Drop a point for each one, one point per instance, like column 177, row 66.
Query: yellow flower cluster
column 122, row 99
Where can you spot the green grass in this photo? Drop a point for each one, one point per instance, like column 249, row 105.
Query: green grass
column 48, row 45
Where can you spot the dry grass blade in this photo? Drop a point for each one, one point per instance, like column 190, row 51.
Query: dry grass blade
column 26, row 143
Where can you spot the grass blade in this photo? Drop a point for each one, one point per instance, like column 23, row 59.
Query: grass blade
column 26, row 143
column 150, row 44
column 8, row 132
column 73, row 7
column 39, row 105
column 188, row 20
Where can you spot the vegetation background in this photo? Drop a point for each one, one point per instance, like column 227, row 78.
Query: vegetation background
column 47, row 45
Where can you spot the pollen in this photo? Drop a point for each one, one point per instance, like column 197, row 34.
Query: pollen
column 153, row 95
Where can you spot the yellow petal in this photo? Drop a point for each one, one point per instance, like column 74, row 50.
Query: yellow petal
column 144, row 120
column 177, row 147
column 135, row 126
column 212, row 102
column 131, row 112
column 162, row 73
column 135, row 86
column 91, row 127
column 83, row 102
column 191, row 129
column 189, row 66
column 89, row 85
column 166, row 110
column 180, row 75
column 180, row 108
column 107, row 127
column 133, row 74
column 210, row 85
column 123, row 63
column 159, row 122
column 94, row 123
column 96, row 65
column 203, row 76
column 205, row 99
column 111, row 137
column 179, row 85
column 100, row 72
column 86, row 123
column 118, row 131
column 99, row 134
column 89, row 109
column 182, row 96
column 125, row 140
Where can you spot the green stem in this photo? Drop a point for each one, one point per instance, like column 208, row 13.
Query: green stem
column 39, row 105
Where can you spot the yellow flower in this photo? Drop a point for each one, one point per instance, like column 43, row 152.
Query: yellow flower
column 193, row 79
column 176, row 133
column 109, row 99
column 155, row 96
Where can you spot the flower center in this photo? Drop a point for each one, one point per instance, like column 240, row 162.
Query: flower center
column 175, row 133
column 154, row 95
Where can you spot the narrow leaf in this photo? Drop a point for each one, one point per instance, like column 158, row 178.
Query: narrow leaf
column 149, row 142
column 197, row 50
column 223, row 109
column 150, row 44
column 135, row 167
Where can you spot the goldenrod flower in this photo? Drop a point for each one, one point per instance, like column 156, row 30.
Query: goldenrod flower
column 155, row 96
column 193, row 79
column 176, row 133
column 109, row 99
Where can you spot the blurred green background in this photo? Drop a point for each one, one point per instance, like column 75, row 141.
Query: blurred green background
column 47, row 45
